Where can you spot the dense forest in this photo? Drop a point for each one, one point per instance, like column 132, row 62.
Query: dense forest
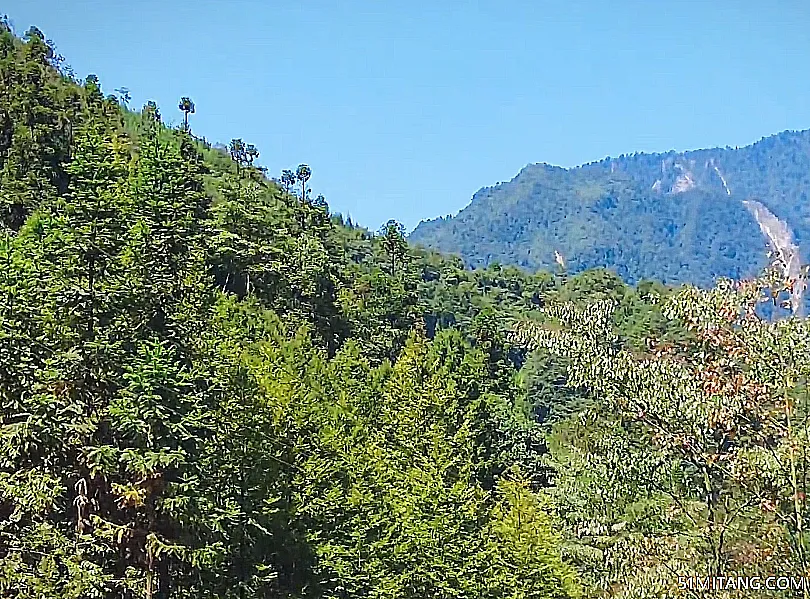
column 673, row 217
column 213, row 387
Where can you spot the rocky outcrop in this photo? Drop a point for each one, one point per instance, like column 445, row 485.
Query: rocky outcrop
column 782, row 243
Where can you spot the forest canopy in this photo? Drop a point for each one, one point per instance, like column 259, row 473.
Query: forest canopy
column 213, row 387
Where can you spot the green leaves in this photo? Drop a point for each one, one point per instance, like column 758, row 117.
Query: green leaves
column 211, row 389
column 187, row 107
column 393, row 240
column 680, row 449
column 36, row 116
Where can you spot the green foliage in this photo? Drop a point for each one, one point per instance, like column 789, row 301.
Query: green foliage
column 212, row 388
column 388, row 479
column 187, row 107
column 302, row 175
column 393, row 238
column 36, row 119
column 687, row 461
column 671, row 217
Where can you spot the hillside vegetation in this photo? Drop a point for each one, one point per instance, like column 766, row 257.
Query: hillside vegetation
column 674, row 217
column 212, row 387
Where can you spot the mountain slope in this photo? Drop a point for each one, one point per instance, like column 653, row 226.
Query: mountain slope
column 678, row 217
column 211, row 387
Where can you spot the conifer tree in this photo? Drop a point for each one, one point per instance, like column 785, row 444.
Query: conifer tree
column 303, row 174
column 187, row 107
column 393, row 234
column 36, row 117
column 207, row 390
column 287, row 180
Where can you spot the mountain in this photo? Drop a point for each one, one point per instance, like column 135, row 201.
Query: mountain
column 211, row 386
column 676, row 217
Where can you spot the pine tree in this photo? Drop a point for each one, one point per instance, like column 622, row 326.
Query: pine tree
column 187, row 107
column 36, row 117
column 393, row 239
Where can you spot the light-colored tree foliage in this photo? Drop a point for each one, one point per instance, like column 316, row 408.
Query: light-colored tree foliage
column 692, row 459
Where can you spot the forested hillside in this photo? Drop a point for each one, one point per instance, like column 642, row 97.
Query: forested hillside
column 212, row 387
column 674, row 217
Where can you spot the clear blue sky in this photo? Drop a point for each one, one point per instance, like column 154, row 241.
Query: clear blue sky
column 405, row 109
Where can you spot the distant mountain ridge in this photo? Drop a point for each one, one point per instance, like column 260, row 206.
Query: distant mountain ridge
column 674, row 216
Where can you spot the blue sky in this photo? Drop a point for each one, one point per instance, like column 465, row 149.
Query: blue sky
column 404, row 109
